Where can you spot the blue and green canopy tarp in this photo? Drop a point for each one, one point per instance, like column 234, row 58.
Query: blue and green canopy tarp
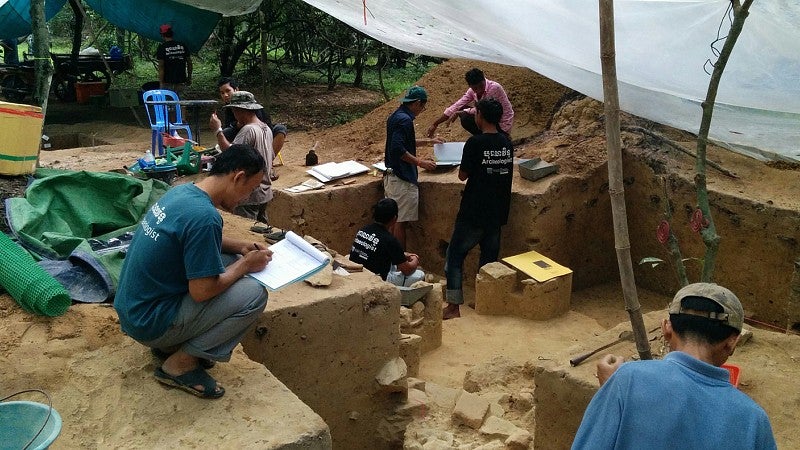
column 192, row 26
column 191, row 20
column 15, row 16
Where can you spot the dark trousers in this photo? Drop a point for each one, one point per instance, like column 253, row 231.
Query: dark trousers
column 465, row 237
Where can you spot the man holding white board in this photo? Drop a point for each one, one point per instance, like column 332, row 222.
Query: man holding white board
column 400, row 181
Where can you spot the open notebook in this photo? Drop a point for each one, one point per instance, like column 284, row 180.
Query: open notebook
column 448, row 154
column 293, row 259
column 335, row 170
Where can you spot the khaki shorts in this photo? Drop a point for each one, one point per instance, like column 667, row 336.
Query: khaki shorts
column 405, row 194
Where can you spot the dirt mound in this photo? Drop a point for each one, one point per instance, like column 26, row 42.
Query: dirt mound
column 532, row 95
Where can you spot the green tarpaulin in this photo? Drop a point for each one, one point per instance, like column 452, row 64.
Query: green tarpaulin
column 65, row 212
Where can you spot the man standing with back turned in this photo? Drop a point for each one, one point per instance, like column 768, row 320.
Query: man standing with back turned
column 400, row 156
column 174, row 62
column 685, row 400
column 488, row 166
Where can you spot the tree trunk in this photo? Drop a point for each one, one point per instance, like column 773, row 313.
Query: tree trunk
column 709, row 233
column 672, row 241
column 266, row 91
column 77, row 31
column 359, row 61
column 43, row 65
column 227, row 32
column 381, row 63
column 616, row 187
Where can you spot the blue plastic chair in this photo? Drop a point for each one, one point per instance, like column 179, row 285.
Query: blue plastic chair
column 158, row 115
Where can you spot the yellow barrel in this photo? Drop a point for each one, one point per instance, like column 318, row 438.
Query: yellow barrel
column 20, row 135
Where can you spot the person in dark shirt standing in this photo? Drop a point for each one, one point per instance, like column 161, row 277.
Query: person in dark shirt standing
column 487, row 165
column 174, row 62
column 400, row 156
column 378, row 250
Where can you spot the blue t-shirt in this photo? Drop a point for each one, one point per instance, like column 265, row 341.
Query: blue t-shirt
column 677, row 403
column 400, row 138
column 179, row 239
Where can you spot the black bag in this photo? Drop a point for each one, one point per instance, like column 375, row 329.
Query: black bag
column 311, row 158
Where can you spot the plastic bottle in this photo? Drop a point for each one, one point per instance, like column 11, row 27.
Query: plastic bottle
column 148, row 160
column 148, row 157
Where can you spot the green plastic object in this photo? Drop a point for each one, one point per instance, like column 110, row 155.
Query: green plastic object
column 33, row 288
column 186, row 159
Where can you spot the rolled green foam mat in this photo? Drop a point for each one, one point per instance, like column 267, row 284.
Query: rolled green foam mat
column 33, row 288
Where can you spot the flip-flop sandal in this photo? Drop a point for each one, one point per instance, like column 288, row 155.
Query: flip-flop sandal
column 275, row 236
column 261, row 229
column 189, row 380
column 162, row 355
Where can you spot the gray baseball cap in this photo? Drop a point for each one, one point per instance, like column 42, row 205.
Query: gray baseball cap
column 733, row 313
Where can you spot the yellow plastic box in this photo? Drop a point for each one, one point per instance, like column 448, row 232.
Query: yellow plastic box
column 20, row 136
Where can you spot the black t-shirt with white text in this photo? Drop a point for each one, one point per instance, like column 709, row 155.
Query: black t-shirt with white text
column 488, row 159
column 377, row 249
column 174, row 55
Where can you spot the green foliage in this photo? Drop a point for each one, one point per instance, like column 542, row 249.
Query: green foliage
column 394, row 80
column 343, row 117
column 301, row 45
column 653, row 261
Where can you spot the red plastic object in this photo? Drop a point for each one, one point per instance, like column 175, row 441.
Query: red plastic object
column 734, row 374
column 172, row 141
column 85, row 90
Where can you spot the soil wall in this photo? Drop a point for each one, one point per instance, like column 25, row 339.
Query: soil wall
column 568, row 218
column 758, row 247
column 327, row 345
column 546, row 216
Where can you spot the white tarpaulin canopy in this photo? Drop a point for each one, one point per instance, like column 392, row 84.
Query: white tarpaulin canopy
column 662, row 49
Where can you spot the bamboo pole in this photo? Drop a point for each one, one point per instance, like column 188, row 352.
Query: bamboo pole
column 616, row 188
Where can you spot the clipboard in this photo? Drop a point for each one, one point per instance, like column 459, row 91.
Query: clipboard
column 537, row 266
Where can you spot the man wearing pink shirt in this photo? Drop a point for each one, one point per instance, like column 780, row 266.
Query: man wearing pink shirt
column 464, row 108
